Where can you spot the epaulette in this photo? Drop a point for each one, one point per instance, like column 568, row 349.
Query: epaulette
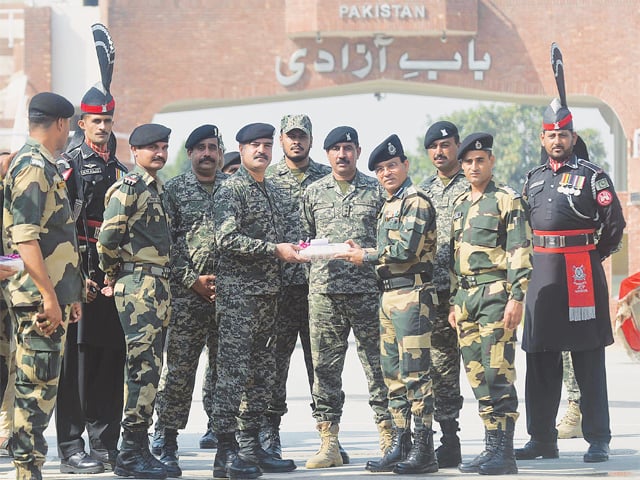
column 511, row 191
column 131, row 178
column 460, row 195
column 36, row 157
column 591, row 166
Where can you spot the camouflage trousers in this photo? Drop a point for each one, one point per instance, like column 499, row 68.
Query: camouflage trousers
column 7, row 351
column 38, row 363
column 405, row 340
column 192, row 326
column 569, row 378
column 144, row 307
column 209, row 384
column 246, row 362
column 331, row 318
column 445, row 364
column 488, row 351
column 293, row 321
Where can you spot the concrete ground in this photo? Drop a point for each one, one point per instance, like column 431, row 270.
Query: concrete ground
column 359, row 436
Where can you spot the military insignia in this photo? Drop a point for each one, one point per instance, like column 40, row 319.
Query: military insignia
column 444, row 133
column 90, row 171
column 602, row 184
column 348, row 137
column 90, row 165
column 391, row 148
column 604, row 198
column 36, row 162
column 478, row 145
column 535, row 184
column 571, row 184
column 131, row 179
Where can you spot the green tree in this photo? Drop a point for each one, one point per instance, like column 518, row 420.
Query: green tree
column 516, row 132
column 179, row 165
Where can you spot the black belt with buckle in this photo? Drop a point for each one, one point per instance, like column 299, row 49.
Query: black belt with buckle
column 147, row 268
column 404, row 281
column 470, row 281
column 560, row 241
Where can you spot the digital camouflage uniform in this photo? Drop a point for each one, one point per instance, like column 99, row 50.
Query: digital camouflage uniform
column 293, row 314
column 343, row 296
column 406, row 251
column 569, row 378
column 491, row 248
column 445, row 351
column 193, row 324
column 133, row 246
column 36, row 207
column 247, row 228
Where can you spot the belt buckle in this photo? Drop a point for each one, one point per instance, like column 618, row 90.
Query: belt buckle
column 555, row 241
column 386, row 284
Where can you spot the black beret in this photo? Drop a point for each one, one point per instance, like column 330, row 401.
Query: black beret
column 149, row 133
column 231, row 158
column 47, row 104
column 475, row 141
column 438, row 131
column 97, row 101
column 199, row 134
column 340, row 134
column 253, row 131
column 388, row 149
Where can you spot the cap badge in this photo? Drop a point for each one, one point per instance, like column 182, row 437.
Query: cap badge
column 444, row 133
column 478, row 144
column 391, row 148
column 348, row 136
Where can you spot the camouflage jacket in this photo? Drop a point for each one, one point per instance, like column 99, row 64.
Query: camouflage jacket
column 190, row 207
column 36, row 207
column 406, row 234
column 248, row 226
column 290, row 191
column 328, row 213
column 492, row 234
column 135, row 226
column 442, row 197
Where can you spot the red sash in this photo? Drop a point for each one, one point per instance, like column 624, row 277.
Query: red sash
column 582, row 300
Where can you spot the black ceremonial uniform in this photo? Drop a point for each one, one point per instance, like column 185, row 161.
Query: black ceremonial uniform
column 572, row 210
column 92, row 381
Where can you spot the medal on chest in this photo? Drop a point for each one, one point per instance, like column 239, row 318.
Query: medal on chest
column 571, row 184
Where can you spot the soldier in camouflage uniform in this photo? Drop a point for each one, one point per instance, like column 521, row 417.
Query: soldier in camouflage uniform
column 133, row 246
column 291, row 177
column 491, row 266
column 7, row 340
column 249, row 233
column 570, row 425
column 38, row 225
column 189, row 203
column 404, row 265
column 441, row 142
column 341, row 206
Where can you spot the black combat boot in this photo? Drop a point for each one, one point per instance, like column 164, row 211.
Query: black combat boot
column 503, row 460
column 169, row 453
column 135, row 459
column 490, row 444
column 344, row 455
column 250, row 451
column 536, row 448
column 107, row 457
column 226, row 454
column 421, row 458
column 270, row 436
column 400, row 447
column 448, row 453
column 157, row 441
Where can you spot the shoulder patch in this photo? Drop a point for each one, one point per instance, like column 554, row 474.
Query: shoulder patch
column 602, row 184
column 37, row 162
column 131, row 179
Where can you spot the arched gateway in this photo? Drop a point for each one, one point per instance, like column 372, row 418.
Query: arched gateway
column 182, row 54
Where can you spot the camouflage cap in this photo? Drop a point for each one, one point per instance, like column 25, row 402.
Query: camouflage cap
column 291, row 122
